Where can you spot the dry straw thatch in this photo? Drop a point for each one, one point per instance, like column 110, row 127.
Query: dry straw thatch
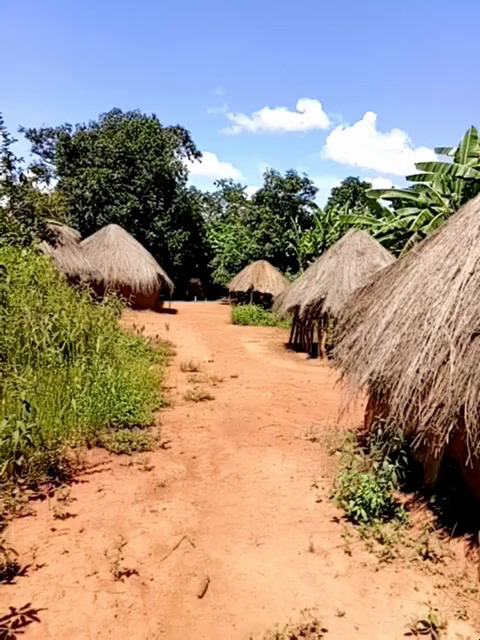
column 327, row 283
column 345, row 267
column 411, row 337
column 123, row 265
column 66, row 252
column 259, row 277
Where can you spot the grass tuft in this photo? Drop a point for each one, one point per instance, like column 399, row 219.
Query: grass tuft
column 197, row 395
column 254, row 315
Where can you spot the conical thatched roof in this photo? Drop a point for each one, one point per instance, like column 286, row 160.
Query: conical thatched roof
column 121, row 261
column 260, row 277
column 412, row 335
column 346, row 266
column 327, row 282
column 66, row 252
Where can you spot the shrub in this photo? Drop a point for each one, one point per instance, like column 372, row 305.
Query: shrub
column 67, row 370
column 254, row 315
column 366, row 483
column 126, row 441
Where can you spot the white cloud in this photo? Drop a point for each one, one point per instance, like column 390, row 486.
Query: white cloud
column 251, row 190
column 380, row 183
column 219, row 91
column 215, row 111
column 211, row 167
column 309, row 114
column 362, row 145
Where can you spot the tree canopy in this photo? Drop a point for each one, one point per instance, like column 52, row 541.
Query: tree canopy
column 129, row 168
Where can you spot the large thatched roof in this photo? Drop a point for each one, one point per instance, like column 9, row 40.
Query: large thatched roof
column 347, row 265
column 121, row 261
column 66, row 251
column 260, row 277
column 413, row 334
column 327, row 282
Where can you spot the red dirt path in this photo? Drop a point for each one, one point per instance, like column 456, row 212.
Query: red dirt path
column 245, row 486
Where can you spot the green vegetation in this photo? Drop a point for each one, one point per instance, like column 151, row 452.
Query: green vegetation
column 67, row 371
column 436, row 192
column 309, row 628
column 367, row 481
column 254, row 315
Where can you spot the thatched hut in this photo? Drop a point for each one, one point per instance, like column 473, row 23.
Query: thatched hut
column 259, row 282
column 317, row 297
column 66, row 252
column 122, row 265
column 411, row 339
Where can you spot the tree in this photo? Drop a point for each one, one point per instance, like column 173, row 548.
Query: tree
column 24, row 209
column 267, row 226
column 128, row 168
column 438, row 190
column 350, row 195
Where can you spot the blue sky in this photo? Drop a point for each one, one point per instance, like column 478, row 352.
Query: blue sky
column 212, row 65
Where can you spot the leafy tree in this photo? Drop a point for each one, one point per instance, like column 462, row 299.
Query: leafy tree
column 128, row 168
column 23, row 208
column 350, row 195
column 268, row 225
column 284, row 206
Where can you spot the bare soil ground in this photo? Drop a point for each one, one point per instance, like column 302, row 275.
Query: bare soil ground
column 228, row 528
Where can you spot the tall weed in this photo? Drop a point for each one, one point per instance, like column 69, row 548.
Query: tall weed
column 67, row 371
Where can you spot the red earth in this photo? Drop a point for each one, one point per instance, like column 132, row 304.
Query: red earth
column 227, row 529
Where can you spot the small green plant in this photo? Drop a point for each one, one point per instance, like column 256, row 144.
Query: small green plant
column 117, row 559
column 190, row 366
column 10, row 567
column 254, row 315
column 197, row 395
column 126, row 441
column 366, row 484
column 432, row 626
column 308, row 628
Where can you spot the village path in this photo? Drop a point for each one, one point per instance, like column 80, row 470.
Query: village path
column 238, row 498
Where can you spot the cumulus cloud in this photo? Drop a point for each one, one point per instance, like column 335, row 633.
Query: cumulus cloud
column 362, row 145
column 309, row 114
column 209, row 166
column 381, row 183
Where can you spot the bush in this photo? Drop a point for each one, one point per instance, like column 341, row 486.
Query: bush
column 67, row 370
column 254, row 315
column 366, row 484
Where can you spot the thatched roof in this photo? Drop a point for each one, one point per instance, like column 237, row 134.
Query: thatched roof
column 121, row 261
column 66, row 251
column 413, row 334
column 260, row 277
column 347, row 265
column 327, row 282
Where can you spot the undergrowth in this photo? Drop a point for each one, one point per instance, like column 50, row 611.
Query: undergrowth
column 368, row 479
column 68, row 372
column 254, row 315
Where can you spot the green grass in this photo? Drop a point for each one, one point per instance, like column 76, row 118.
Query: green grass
column 68, row 371
column 254, row 315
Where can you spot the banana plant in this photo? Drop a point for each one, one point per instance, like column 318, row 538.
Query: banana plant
column 436, row 192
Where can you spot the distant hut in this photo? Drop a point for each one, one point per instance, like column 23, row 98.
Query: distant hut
column 258, row 283
column 122, row 265
column 317, row 297
column 65, row 250
column 411, row 339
